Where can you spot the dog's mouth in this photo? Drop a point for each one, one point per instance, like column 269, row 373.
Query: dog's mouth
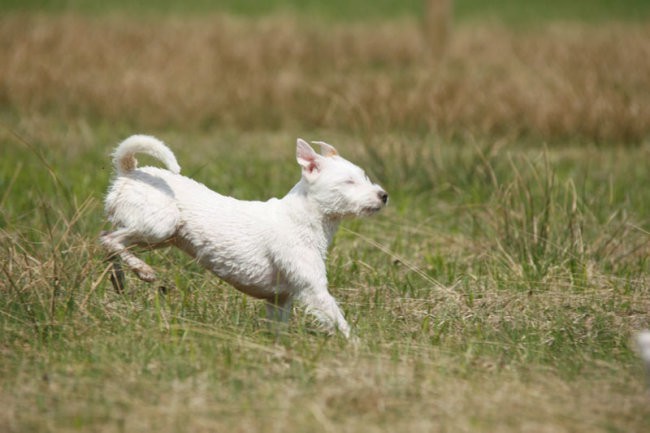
column 369, row 210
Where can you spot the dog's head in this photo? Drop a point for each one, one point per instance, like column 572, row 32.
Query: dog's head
column 339, row 187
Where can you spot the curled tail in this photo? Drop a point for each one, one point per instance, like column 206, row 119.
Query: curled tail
column 124, row 159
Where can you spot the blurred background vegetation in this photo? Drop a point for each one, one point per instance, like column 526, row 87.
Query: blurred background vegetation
column 511, row 11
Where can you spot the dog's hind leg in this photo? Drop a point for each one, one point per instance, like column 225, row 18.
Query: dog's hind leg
column 118, row 243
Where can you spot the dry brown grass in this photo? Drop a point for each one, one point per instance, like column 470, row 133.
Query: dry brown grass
column 551, row 82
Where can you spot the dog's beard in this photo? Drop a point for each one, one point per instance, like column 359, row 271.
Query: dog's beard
column 370, row 210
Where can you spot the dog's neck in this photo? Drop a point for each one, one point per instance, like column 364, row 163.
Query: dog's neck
column 306, row 211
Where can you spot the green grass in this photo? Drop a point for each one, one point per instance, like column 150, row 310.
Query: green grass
column 511, row 11
column 499, row 291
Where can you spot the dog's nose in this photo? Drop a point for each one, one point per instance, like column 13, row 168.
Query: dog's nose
column 383, row 196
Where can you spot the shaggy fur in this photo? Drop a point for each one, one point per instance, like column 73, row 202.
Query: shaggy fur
column 273, row 250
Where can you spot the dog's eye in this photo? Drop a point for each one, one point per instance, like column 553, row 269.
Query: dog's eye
column 350, row 181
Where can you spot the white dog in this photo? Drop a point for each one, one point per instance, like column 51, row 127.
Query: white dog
column 273, row 250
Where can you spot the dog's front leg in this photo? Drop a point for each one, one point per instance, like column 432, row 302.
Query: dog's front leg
column 322, row 305
column 305, row 273
column 279, row 310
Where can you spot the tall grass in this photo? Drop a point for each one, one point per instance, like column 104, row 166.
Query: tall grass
column 490, row 289
column 554, row 83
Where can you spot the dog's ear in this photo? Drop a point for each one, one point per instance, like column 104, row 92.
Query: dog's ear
column 326, row 150
column 308, row 159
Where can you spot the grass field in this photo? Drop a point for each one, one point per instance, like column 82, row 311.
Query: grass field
column 499, row 291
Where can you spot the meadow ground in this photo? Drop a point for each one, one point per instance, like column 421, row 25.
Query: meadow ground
column 499, row 291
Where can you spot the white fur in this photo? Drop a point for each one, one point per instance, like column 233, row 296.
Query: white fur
column 643, row 347
column 124, row 156
column 273, row 250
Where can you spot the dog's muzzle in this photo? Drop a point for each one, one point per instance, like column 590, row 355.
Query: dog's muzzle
column 383, row 198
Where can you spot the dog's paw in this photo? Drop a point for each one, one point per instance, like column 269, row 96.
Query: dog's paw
column 146, row 274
